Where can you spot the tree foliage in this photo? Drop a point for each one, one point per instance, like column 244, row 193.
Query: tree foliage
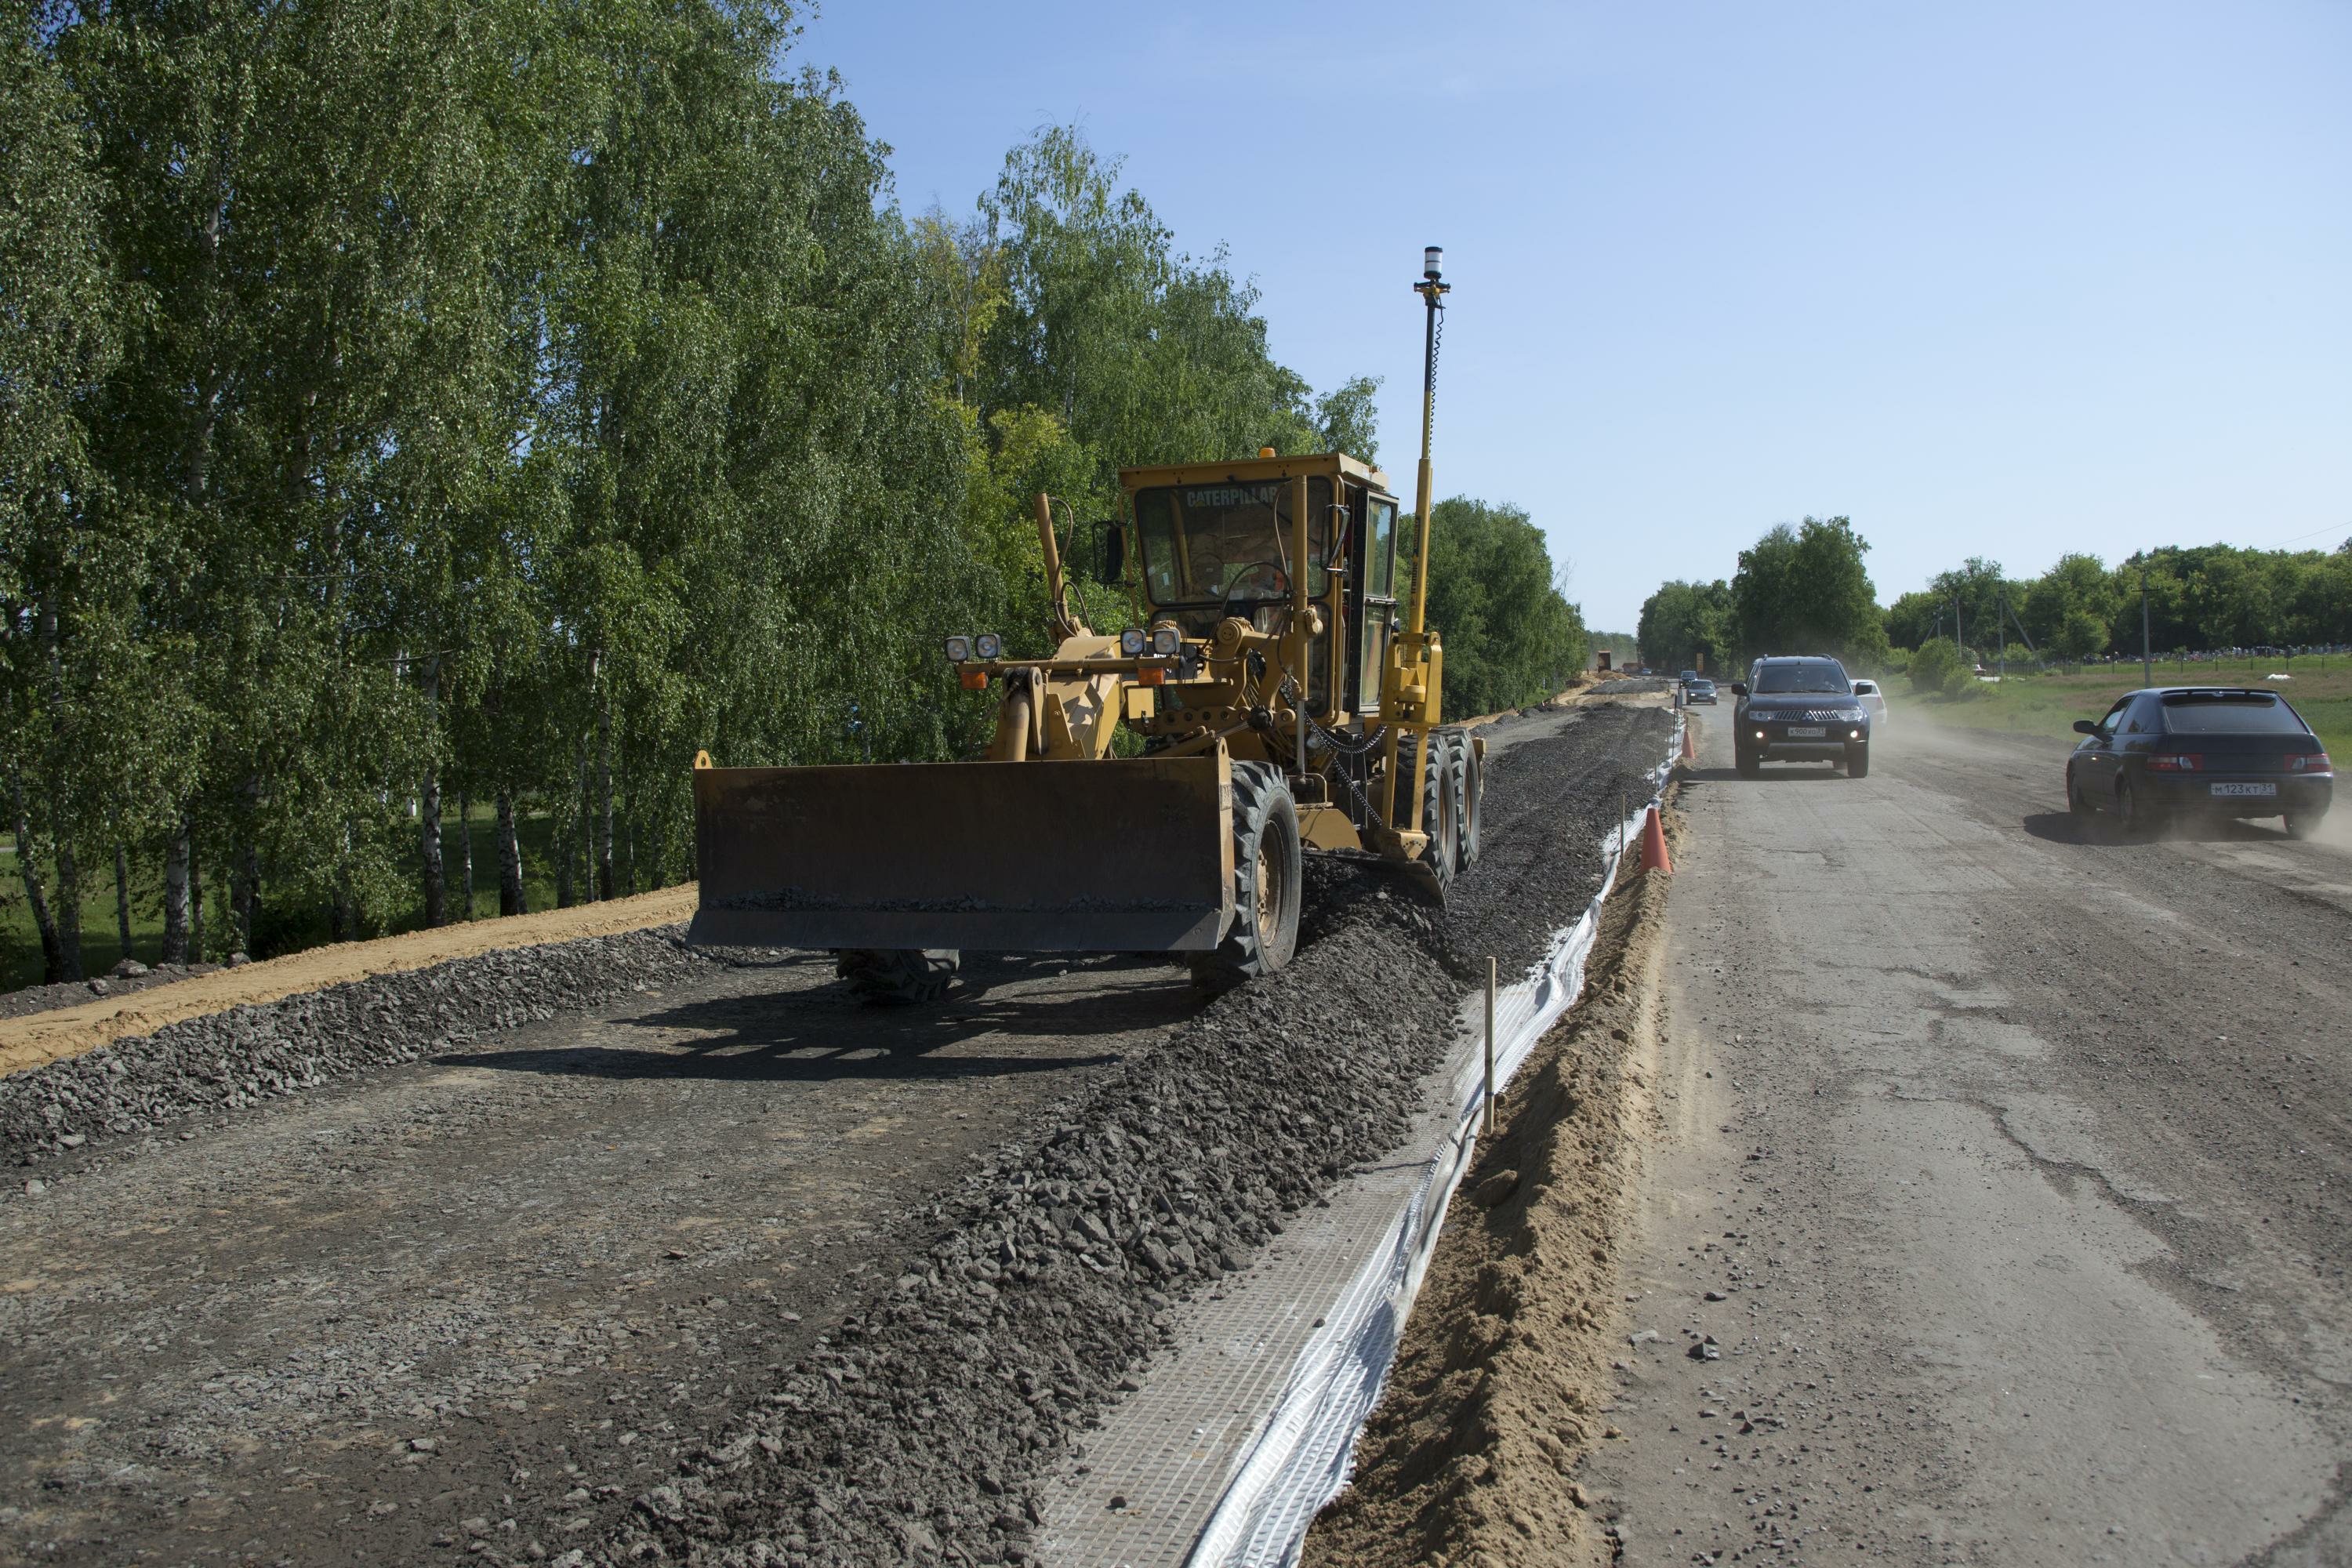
column 1688, row 625
column 1938, row 669
column 416, row 401
column 2200, row 598
column 1511, row 635
column 1805, row 590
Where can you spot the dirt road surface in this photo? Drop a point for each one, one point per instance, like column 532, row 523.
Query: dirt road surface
column 1999, row 1210
column 497, row 1295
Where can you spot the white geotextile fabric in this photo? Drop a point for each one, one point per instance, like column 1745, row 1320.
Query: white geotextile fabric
column 1303, row 1451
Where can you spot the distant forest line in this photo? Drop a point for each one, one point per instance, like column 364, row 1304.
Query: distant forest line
column 1806, row 589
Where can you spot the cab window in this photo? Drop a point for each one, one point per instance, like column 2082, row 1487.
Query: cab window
column 1229, row 542
column 1379, row 549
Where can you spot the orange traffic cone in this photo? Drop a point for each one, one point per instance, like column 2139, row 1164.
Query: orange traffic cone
column 1653, row 843
column 1690, row 746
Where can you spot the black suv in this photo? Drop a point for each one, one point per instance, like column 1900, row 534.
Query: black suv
column 1798, row 710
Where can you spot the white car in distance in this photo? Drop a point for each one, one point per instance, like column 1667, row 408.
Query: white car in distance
column 1874, row 702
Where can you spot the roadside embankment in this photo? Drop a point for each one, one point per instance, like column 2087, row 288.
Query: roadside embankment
column 220, row 1041
column 30, row 1040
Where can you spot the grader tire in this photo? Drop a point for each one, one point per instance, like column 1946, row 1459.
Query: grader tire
column 1441, row 809
column 898, row 977
column 1473, row 774
column 1268, row 874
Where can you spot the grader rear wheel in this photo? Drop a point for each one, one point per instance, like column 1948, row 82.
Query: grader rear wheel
column 1267, row 882
column 898, row 977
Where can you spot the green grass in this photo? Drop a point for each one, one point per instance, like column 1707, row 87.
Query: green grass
column 102, row 947
column 2049, row 704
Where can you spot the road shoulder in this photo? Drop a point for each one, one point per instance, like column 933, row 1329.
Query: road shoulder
column 1505, row 1363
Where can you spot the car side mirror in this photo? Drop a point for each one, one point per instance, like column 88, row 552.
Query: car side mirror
column 1110, row 555
column 2086, row 727
column 1739, row 688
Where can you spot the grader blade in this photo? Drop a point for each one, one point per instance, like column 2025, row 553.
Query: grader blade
column 1106, row 856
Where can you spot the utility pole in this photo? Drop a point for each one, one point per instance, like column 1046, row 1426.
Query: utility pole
column 2001, row 637
column 2146, row 657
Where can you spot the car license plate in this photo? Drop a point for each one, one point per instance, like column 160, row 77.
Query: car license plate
column 1807, row 733
column 2257, row 790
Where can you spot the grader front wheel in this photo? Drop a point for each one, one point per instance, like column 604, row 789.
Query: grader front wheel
column 1267, row 874
column 1441, row 814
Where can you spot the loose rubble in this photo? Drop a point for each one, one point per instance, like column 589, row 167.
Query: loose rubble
column 919, row 1434
column 234, row 1058
column 919, row 1429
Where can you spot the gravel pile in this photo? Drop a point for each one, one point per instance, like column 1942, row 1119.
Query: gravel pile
column 919, row 1433
column 120, row 981
column 243, row 1054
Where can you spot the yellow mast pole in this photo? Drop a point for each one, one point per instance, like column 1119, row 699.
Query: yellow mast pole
column 1432, row 293
column 1296, row 652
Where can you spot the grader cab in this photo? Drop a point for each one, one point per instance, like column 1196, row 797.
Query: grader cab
column 1285, row 689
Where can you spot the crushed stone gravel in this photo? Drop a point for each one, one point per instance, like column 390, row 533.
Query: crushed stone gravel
column 921, row 1429
column 920, row 1433
column 226, row 1061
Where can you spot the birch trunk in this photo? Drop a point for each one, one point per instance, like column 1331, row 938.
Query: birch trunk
column 176, row 897
column 428, row 807
column 510, row 895
column 122, row 896
column 466, row 853
column 36, row 898
column 605, row 791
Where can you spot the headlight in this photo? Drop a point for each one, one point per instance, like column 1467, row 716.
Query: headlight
column 988, row 645
column 1130, row 643
column 1166, row 640
column 958, row 650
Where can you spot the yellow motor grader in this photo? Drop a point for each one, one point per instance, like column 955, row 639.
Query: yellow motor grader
column 1282, row 703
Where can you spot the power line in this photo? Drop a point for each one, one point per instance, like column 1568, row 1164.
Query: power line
column 2315, row 533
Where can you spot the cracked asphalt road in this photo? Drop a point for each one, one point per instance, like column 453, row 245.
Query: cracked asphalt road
column 2016, row 1163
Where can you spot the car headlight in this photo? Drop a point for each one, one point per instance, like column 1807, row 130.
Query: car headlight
column 958, row 650
column 1130, row 643
column 1166, row 640
column 988, row 645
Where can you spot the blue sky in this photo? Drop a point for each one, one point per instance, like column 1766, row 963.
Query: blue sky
column 1990, row 278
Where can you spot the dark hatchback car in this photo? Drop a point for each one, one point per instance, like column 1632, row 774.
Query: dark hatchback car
column 1798, row 710
column 2190, row 751
column 1698, row 688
